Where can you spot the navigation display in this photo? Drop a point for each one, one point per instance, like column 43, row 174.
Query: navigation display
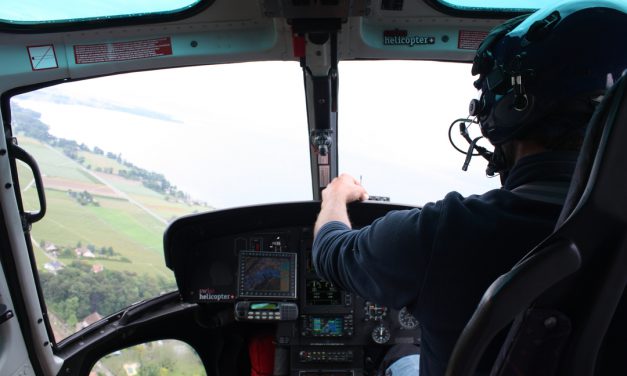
column 326, row 326
column 267, row 274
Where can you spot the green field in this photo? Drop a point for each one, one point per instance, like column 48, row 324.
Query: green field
column 100, row 161
column 40, row 256
column 130, row 187
column 131, row 230
column 53, row 163
column 165, row 206
column 168, row 209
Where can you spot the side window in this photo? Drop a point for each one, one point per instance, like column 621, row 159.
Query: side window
column 158, row 358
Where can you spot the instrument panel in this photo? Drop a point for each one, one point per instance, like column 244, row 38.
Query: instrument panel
column 259, row 260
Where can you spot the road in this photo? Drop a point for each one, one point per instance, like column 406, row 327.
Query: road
column 115, row 189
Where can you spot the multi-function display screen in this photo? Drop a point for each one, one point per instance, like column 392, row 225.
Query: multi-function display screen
column 326, row 326
column 321, row 292
column 267, row 274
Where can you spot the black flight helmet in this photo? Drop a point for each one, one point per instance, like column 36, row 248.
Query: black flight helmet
column 553, row 64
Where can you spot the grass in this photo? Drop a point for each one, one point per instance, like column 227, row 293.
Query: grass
column 129, row 221
column 40, row 256
column 25, row 175
column 130, row 187
column 100, row 161
column 127, row 229
column 169, row 209
column 53, row 163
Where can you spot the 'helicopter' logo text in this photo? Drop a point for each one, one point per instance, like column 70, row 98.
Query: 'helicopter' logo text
column 401, row 38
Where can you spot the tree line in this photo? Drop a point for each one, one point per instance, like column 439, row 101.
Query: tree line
column 75, row 292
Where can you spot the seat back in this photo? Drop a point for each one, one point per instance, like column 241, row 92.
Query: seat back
column 563, row 295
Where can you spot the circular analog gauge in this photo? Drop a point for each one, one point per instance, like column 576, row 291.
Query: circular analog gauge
column 406, row 319
column 380, row 334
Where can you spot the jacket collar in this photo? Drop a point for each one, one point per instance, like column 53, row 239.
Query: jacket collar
column 555, row 166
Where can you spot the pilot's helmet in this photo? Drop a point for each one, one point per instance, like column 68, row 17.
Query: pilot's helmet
column 549, row 69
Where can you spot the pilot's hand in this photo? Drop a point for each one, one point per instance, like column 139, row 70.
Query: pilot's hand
column 344, row 189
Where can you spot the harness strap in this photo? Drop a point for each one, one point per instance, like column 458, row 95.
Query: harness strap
column 550, row 192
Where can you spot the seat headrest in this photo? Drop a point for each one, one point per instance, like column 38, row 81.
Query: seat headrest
column 598, row 136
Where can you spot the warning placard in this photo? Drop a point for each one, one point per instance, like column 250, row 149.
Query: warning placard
column 119, row 51
column 470, row 39
column 42, row 57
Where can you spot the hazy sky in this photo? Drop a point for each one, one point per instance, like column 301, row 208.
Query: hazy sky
column 237, row 133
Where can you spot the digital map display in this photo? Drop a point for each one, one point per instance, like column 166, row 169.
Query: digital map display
column 266, row 275
column 326, row 326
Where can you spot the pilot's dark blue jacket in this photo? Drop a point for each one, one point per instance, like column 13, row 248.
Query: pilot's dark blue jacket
column 439, row 260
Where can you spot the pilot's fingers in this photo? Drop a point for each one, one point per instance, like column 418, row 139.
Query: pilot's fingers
column 345, row 188
column 364, row 196
column 347, row 178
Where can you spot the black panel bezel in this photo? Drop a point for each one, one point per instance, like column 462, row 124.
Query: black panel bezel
column 291, row 294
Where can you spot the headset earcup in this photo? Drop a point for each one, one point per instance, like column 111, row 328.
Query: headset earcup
column 505, row 113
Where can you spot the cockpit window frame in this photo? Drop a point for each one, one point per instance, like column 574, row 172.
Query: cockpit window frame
column 38, row 27
column 470, row 12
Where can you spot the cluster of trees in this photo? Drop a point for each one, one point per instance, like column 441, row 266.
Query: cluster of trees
column 106, row 170
column 75, row 292
column 156, row 363
column 157, row 358
column 29, row 123
column 83, row 198
column 151, row 180
column 101, row 253
column 104, row 252
column 70, row 148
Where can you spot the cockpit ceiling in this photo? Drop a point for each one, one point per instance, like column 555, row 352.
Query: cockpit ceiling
column 228, row 32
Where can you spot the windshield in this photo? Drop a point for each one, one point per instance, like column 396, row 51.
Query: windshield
column 123, row 156
column 394, row 121
column 498, row 5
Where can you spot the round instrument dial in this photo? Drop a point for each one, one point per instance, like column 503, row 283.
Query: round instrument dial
column 380, row 334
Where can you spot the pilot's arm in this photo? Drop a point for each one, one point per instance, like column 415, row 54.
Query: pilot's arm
column 335, row 196
column 384, row 262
